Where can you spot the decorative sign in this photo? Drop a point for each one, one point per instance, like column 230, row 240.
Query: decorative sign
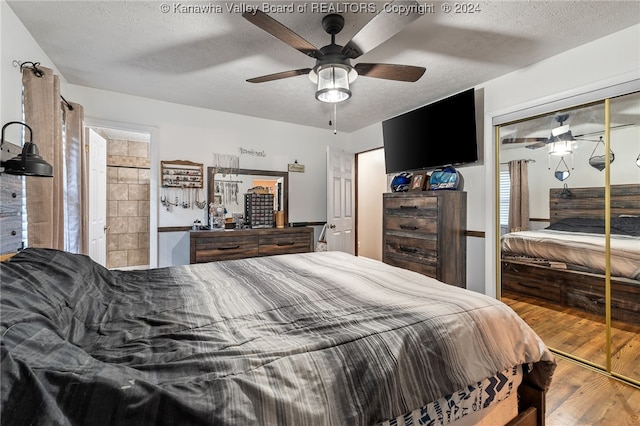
column 252, row 152
column 295, row 167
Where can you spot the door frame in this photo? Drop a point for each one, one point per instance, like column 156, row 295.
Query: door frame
column 154, row 171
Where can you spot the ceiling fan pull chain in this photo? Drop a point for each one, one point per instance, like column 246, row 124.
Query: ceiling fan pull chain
column 335, row 119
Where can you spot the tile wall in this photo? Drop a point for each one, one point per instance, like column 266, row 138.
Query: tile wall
column 127, row 203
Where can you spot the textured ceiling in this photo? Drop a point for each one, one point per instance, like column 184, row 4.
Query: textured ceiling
column 203, row 59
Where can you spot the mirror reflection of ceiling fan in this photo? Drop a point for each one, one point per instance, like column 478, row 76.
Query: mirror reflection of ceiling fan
column 559, row 135
column 333, row 72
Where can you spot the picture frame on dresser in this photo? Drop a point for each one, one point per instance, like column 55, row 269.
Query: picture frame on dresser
column 418, row 182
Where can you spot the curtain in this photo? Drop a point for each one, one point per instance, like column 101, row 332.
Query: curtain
column 52, row 215
column 76, row 180
column 518, row 196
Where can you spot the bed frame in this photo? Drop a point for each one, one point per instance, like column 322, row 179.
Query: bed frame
column 582, row 290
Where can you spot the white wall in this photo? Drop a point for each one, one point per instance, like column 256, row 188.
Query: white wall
column 16, row 44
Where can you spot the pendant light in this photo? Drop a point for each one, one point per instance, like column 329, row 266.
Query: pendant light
column 28, row 162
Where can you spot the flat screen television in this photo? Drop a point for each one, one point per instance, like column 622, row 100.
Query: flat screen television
column 439, row 134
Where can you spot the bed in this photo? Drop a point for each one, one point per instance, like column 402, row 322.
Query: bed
column 565, row 262
column 321, row 338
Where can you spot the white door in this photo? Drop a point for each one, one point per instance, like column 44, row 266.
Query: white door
column 340, row 200
column 97, row 197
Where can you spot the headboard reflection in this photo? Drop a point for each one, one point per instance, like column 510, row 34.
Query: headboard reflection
column 589, row 202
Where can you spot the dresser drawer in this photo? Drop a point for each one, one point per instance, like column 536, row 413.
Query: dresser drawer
column 415, row 265
column 225, row 248
column 10, row 190
column 411, row 225
column 10, row 230
column 411, row 246
column 411, row 207
column 271, row 244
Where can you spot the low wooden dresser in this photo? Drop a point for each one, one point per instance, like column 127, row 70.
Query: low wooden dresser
column 209, row 246
column 424, row 231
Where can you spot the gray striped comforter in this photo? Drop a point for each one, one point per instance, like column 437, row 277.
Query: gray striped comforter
column 305, row 339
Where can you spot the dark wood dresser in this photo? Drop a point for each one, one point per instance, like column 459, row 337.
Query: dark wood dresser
column 424, row 231
column 208, row 246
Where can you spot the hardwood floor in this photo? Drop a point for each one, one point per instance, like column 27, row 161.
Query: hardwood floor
column 580, row 395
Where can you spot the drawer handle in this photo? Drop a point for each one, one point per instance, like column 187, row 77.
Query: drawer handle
column 529, row 286
column 408, row 207
column 290, row 243
column 413, row 228
column 13, row 232
column 408, row 249
column 14, row 195
column 229, row 247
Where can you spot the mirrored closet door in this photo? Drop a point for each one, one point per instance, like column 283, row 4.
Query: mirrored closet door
column 569, row 208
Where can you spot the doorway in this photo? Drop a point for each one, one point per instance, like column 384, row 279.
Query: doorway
column 371, row 184
column 127, row 198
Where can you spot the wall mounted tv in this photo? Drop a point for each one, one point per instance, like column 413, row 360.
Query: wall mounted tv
column 439, row 134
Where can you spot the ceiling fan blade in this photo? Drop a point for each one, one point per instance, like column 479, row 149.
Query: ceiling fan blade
column 524, row 140
column 279, row 31
column 534, row 143
column 382, row 27
column 279, row 75
column 396, row 72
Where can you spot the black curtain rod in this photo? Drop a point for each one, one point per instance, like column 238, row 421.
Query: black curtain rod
column 66, row 103
column 33, row 66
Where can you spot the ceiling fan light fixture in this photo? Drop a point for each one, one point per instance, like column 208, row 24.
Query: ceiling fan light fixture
column 561, row 148
column 333, row 83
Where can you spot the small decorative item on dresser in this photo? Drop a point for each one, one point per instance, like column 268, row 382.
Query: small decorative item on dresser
column 401, row 182
column 279, row 219
column 418, row 182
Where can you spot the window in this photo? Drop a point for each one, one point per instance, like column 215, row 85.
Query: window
column 505, row 184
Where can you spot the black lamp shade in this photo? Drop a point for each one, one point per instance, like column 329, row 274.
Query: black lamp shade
column 28, row 162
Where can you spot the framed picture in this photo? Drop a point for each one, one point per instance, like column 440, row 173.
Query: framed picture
column 418, row 181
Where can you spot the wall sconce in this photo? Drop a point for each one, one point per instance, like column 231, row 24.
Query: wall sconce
column 29, row 162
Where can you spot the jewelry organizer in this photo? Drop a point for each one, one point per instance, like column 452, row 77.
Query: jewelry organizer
column 181, row 174
column 187, row 178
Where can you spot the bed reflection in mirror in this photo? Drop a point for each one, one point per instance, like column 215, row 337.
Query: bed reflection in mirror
column 556, row 248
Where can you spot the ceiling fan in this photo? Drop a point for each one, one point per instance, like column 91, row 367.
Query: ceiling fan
column 333, row 72
column 559, row 135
